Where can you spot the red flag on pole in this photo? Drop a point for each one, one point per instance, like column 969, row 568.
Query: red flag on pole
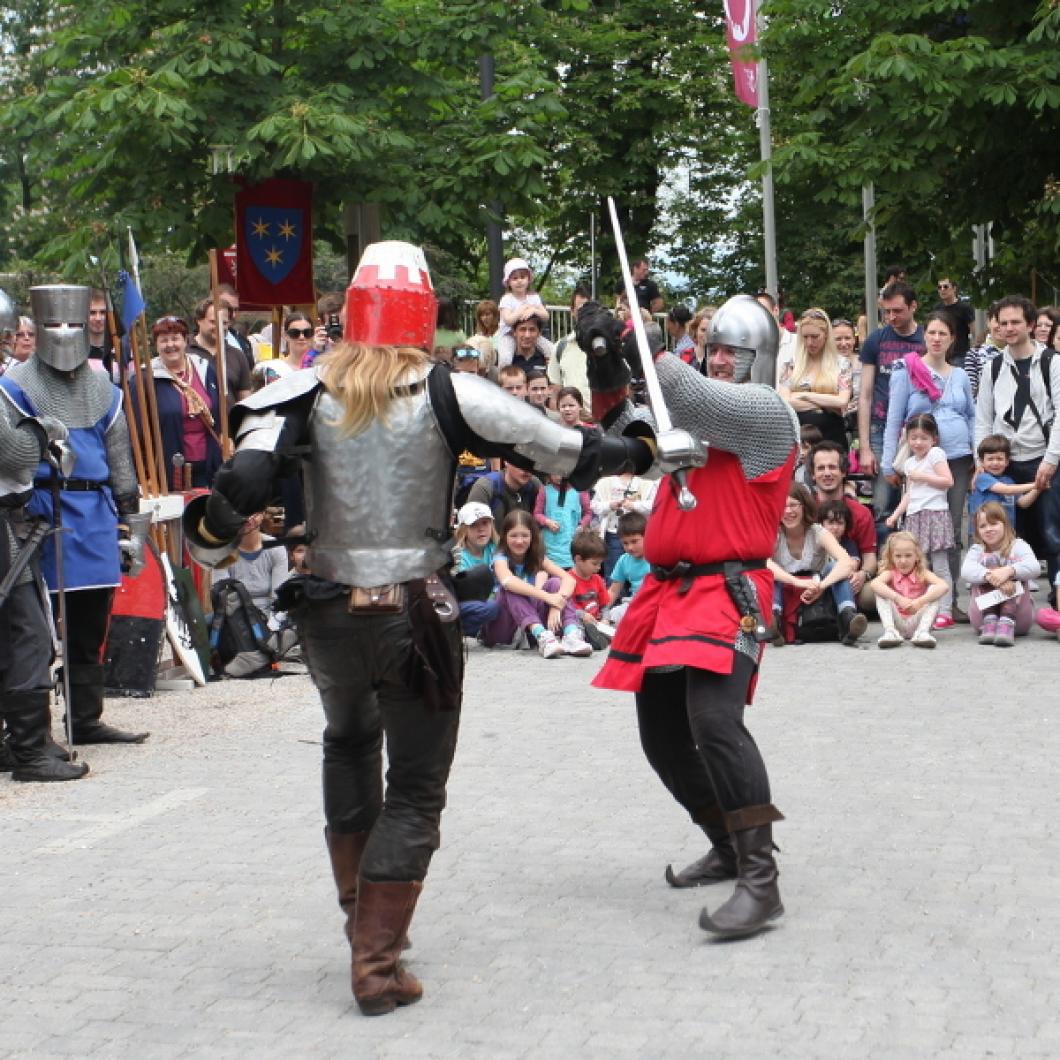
column 740, row 30
column 274, row 243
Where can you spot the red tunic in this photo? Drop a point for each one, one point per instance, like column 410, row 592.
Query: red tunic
column 734, row 519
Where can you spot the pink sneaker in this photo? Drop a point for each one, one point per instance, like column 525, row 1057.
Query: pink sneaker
column 1048, row 619
column 944, row 622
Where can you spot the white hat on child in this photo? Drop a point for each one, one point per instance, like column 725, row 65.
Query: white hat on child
column 472, row 512
column 514, row 265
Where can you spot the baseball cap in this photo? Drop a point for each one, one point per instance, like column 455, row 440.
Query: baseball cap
column 472, row 512
column 513, row 265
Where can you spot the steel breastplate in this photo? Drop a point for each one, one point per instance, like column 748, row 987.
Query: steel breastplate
column 378, row 503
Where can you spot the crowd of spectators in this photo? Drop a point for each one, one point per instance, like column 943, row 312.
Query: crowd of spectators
column 925, row 493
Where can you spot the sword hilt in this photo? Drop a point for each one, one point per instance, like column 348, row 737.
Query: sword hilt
column 686, row 499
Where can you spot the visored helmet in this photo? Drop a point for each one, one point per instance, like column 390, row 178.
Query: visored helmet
column 60, row 312
column 749, row 328
column 390, row 300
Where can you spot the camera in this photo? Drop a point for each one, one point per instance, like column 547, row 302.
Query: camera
column 333, row 327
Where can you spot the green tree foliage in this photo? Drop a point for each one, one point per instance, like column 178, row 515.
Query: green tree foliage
column 949, row 106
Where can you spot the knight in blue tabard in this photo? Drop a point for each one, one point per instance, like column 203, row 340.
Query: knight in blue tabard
column 58, row 382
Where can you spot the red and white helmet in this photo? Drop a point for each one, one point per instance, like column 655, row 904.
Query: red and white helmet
column 390, row 300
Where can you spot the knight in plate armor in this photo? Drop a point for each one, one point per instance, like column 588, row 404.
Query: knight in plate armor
column 26, row 642
column 690, row 644
column 379, row 428
column 58, row 381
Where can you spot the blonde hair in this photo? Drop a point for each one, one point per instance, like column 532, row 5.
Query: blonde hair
column 993, row 512
column 828, row 367
column 902, row 537
column 366, row 379
column 461, row 532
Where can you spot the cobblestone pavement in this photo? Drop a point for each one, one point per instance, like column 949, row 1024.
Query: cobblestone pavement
column 178, row 902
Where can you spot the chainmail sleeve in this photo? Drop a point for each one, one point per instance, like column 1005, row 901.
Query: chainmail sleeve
column 20, row 448
column 751, row 421
column 120, row 459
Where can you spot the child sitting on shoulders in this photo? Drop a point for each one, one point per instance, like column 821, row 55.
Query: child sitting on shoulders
column 475, row 542
column 590, row 590
column 998, row 567
column 631, row 568
column 560, row 511
column 535, row 594
column 992, row 484
column 518, row 302
column 907, row 593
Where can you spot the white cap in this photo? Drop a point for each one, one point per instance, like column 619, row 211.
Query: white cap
column 514, row 265
column 472, row 512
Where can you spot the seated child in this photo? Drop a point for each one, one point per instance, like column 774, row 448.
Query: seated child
column 992, row 484
column 535, row 594
column 809, row 436
column 907, row 593
column 590, row 590
column 475, row 542
column 999, row 560
column 631, row 568
column 838, row 520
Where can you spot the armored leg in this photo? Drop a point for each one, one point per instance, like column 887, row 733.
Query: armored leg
column 666, row 737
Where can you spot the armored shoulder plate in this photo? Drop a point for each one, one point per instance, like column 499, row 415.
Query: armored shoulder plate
column 289, row 388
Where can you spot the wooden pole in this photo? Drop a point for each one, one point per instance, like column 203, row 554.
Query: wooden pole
column 151, row 401
column 131, row 412
column 277, row 331
column 222, row 345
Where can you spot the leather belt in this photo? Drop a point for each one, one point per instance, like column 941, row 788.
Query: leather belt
column 72, row 485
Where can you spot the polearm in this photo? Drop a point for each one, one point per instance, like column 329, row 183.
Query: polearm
column 686, row 499
column 130, row 412
column 222, row 346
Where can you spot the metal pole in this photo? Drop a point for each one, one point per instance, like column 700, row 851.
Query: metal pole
column 769, row 224
column 494, row 242
column 592, row 256
column 868, row 204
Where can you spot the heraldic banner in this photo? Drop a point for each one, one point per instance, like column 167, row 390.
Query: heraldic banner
column 274, row 243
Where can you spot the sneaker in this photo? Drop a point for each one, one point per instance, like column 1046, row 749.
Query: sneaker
column 925, row 639
column 1006, row 634
column 943, row 622
column 989, row 630
column 852, row 625
column 573, row 643
column 960, row 616
column 890, row 639
column 548, row 645
column 1048, row 619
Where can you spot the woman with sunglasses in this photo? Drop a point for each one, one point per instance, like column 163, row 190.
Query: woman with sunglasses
column 818, row 383
column 300, row 335
column 186, row 389
column 25, row 339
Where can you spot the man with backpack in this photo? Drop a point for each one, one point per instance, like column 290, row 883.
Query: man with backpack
column 1017, row 399
column 504, row 491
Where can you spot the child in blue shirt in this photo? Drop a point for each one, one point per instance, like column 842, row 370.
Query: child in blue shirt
column 632, row 567
column 992, row 484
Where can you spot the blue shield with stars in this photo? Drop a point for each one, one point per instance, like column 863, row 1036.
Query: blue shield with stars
column 274, row 238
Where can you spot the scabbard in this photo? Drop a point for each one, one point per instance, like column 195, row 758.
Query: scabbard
column 23, row 558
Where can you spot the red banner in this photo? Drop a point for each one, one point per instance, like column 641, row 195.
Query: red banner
column 274, row 243
column 740, row 31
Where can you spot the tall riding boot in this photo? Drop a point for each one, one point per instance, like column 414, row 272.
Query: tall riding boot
column 28, row 718
column 384, row 912
column 345, row 850
column 86, row 691
column 718, row 864
column 756, row 899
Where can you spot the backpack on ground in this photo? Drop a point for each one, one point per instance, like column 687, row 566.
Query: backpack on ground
column 818, row 622
column 240, row 642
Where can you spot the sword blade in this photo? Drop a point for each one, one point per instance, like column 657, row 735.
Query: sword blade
column 651, row 379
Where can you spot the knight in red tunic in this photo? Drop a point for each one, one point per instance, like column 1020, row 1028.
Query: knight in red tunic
column 690, row 644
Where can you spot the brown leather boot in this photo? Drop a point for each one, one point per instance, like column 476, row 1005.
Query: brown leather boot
column 756, row 900
column 345, row 850
column 384, row 912
column 718, row 864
